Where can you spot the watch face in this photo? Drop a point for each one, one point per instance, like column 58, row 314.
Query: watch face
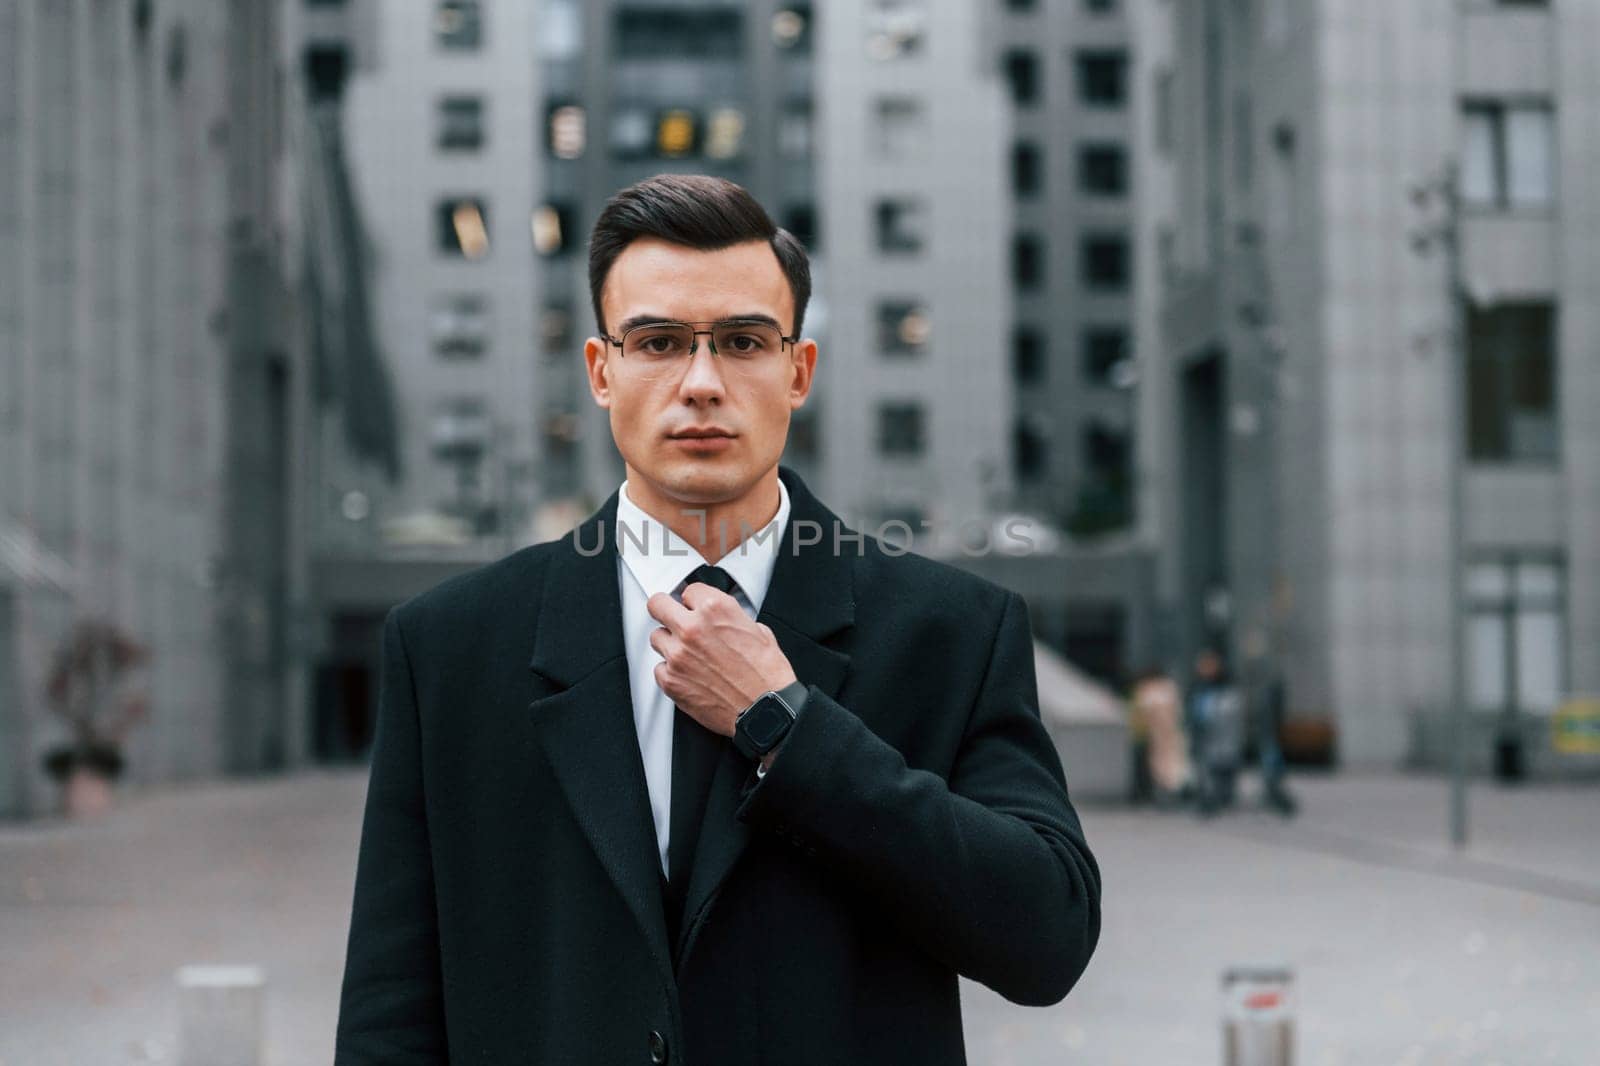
column 765, row 723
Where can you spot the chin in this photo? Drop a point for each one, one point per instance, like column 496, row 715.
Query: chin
column 708, row 479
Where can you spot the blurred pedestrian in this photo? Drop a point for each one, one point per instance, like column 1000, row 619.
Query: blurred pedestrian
column 1215, row 720
column 1164, row 751
column 1268, row 721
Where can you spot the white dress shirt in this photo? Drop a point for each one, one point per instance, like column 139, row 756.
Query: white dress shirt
column 652, row 558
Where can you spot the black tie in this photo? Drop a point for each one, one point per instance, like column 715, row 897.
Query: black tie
column 695, row 752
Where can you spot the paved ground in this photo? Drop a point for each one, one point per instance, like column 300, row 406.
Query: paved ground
column 1405, row 954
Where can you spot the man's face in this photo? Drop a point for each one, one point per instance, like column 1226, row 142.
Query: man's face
column 748, row 403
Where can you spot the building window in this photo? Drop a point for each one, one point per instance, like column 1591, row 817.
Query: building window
column 1102, row 77
column 553, row 227
column 1027, row 169
column 568, row 128
column 1022, row 74
column 1022, row 5
column 1105, row 262
column 460, row 428
column 725, row 133
column 1103, row 169
column 677, row 133
column 1511, row 384
column 1029, row 453
column 1104, row 350
column 791, row 29
column 801, row 221
column 560, row 29
column 632, row 132
column 1164, row 106
column 900, row 129
column 794, row 130
column 1099, row 7
column 1516, row 633
column 458, row 24
column 1027, row 261
column 1027, row 355
column 650, row 33
column 895, row 28
column 555, row 328
column 901, row 226
column 900, row 429
column 459, row 325
column 460, row 123
column 903, row 327
column 1507, row 154
column 462, row 226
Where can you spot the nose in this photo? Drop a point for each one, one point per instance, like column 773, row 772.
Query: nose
column 702, row 380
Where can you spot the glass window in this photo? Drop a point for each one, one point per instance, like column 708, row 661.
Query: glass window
column 1507, row 154
column 632, row 132
column 1105, row 263
column 1104, row 349
column 553, row 228
column 1516, row 626
column 901, row 127
column 460, row 428
column 458, row 24
column 1029, row 454
column 903, row 327
column 1027, row 261
column 648, row 33
column 459, row 325
column 1027, row 169
column 1022, row 74
column 1511, row 384
column 900, row 429
column 1102, row 77
column 461, row 123
column 791, row 29
column 901, row 226
column 569, row 131
column 677, row 133
column 725, row 133
column 794, row 130
column 1027, row 355
column 1103, row 169
column 462, row 226
column 560, row 29
column 1099, row 7
column 801, row 221
column 895, row 28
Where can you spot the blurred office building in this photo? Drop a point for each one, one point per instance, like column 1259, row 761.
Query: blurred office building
column 1326, row 349
column 157, row 388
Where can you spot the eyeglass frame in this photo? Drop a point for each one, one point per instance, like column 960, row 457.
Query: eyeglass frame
column 694, row 338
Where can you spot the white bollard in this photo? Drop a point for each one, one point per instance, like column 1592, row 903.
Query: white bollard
column 1258, row 1016
column 219, row 1015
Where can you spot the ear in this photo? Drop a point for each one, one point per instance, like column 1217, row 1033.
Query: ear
column 803, row 365
column 597, row 363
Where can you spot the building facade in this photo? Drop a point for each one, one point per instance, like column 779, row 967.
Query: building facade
column 1388, row 438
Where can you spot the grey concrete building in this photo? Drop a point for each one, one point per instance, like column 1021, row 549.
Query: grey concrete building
column 1324, row 356
column 912, row 128
column 150, row 363
column 440, row 137
column 1069, row 68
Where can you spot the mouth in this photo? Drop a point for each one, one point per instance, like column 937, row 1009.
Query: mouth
column 709, row 433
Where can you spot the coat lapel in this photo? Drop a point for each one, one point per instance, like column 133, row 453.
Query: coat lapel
column 585, row 716
column 809, row 600
column 585, row 719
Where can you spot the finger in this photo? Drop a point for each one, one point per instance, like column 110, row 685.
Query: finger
column 668, row 611
column 665, row 644
column 699, row 596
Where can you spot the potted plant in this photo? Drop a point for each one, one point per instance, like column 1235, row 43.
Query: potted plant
column 94, row 685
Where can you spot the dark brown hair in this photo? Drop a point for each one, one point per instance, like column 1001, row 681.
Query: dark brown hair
column 699, row 211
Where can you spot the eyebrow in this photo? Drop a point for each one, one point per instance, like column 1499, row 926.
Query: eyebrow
column 650, row 320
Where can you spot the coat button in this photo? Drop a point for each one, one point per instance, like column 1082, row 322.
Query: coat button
column 658, row 1047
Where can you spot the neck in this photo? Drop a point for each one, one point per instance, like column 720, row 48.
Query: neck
column 713, row 528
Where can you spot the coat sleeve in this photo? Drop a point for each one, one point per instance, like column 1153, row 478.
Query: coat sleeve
column 391, row 1007
column 989, row 871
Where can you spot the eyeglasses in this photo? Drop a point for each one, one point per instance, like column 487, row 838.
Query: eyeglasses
column 733, row 340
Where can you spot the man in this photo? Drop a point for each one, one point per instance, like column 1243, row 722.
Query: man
column 629, row 807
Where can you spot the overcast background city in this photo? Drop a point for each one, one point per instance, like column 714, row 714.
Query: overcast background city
column 1276, row 320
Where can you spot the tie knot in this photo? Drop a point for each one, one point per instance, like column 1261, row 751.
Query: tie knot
column 715, row 576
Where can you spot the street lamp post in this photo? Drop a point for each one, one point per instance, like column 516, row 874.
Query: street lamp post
column 1445, row 231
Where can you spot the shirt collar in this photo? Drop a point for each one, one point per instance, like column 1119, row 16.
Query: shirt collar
column 659, row 559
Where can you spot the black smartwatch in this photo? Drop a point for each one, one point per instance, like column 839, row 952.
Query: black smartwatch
column 761, row 726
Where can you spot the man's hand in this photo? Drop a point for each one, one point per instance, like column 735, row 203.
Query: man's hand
column 716, row 659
